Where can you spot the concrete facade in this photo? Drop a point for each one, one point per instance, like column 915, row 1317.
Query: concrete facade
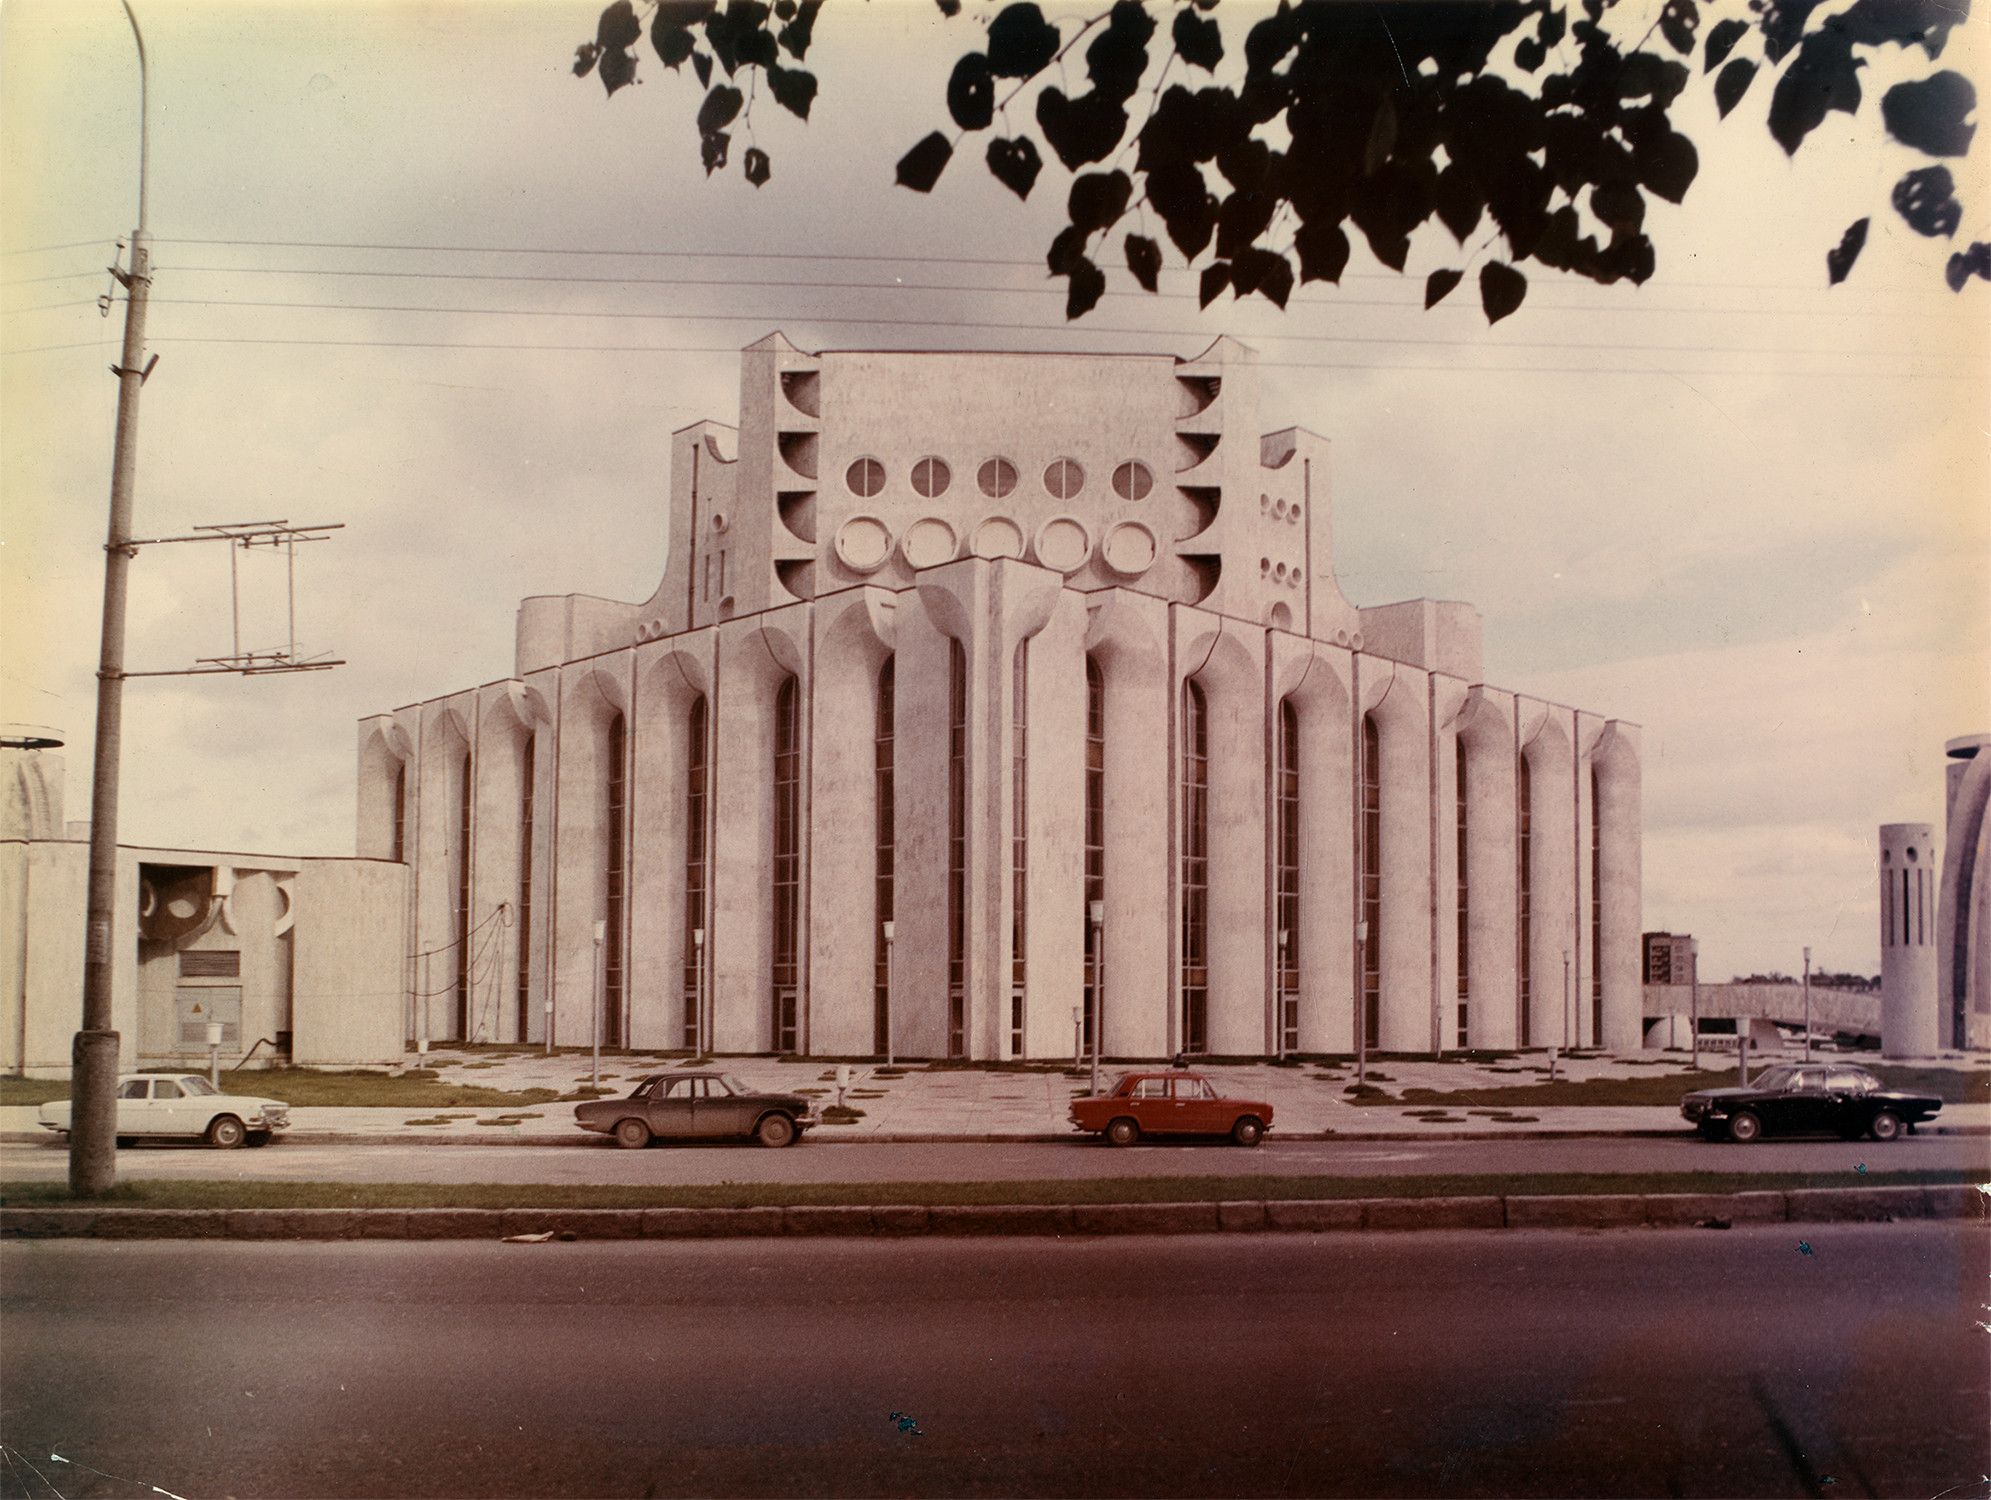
column 967, row 643
column 305, row 954
column 1908, row 940
column 1963, row 925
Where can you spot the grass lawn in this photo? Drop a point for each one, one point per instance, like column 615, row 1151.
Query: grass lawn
column 1080, row 1190
column 1951, row 1085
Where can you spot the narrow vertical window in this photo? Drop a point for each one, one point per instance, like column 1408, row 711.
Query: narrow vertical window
column 463, row 800
column 1464, row 912
column 694, row 870
column 526, row 792
column 1372, row 881
column 957, row 852
column 1195, row 869
column 1596, row 916
column 787, row 862
column 1019, row 841
column 1524, row 869
column 616, row 883
column 881, row 759
column 400, row 849
column 1095, row 832
column 1286, row 896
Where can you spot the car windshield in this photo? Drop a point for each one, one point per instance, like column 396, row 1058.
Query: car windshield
column 1772, row 1079
column 727, row 1083
column 194, row 1084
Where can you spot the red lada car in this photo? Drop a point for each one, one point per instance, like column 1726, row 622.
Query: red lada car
column 1173, row 1102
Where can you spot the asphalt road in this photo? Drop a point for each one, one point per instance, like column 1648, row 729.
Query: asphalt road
column 821, row 1161
column 1831, row 1360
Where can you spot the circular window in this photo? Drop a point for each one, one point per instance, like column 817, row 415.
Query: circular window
column 931, row 477
column 997, row 478
column 1064, row 479
column 1132, row 480
column 866, row 477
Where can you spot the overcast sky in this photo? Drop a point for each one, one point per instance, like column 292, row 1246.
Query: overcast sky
column 1737, row 507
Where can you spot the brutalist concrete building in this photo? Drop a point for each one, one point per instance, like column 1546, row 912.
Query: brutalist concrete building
column 988, row 697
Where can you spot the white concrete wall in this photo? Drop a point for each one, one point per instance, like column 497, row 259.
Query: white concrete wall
column 346, row 954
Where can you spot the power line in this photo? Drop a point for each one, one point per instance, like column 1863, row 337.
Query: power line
column 1300, row 364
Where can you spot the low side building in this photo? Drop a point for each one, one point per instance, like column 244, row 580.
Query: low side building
column 307, row 956
column 987, row 698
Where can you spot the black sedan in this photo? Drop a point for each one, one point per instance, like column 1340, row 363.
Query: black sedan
column 702, row 1106
column 1804, row 1099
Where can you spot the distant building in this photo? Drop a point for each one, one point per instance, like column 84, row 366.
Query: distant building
column 1908, row 941
column 950, row 647
column 1963, row 926
column 306, row 955
column 1669, row 957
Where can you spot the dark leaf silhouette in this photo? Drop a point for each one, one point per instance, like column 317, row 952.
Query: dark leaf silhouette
column 756, row 166
column 1087, row 286
column 701, row 64
column 949, row 8
column 1839, row 261
column 1144, row 261
column 1733, row 84
column 1198, row 39
column 1066, row 251
column 1438, row 286
column 584, row 58
column 1976, row 261
column 1323, row 251
column 712, row 149
column 1265, row 272
column 673, row 43
column 1678, row 23
column 617, row 68
column 920, row 168
column 1722, row 37
column 971, row 92
column 1927, row 200
column 1119, row 56
column 799, row 32
column 720, row 109
column 793, row 89
column 1015, row 163
column 1501, row 289
column 1823, row 76
column 1081, row 130
column 1021, row 41
column 1097, row 199
column 1216, row 276
column 618, row 29
column 1929, row 114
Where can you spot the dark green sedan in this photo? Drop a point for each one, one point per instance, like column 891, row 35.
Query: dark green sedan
column 697, row 1106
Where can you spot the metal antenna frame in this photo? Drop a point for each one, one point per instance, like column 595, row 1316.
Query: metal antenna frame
column 241, row 536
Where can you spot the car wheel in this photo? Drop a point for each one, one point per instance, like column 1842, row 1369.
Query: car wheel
column 775, row 1131
column 225, row 1133
column 1122, row 1132
column 1248, row 1131
column 632, row 1135
column 1743, row 1126
column 1885, row 1125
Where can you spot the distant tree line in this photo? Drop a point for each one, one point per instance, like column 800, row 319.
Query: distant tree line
column 1821, row 978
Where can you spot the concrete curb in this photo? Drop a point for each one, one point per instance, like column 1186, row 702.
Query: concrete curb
column 1597, row 1211
column 931, row 1138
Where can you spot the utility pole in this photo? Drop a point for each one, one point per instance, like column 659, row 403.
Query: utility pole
column 1807, row 1004
column 94, row 1053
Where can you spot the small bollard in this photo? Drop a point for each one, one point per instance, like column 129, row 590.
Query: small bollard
column 842, row 1082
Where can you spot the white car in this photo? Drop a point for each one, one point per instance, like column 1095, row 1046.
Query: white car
column 183, row 1104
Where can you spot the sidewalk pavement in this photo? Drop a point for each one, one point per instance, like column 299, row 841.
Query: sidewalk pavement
column 916, row 1103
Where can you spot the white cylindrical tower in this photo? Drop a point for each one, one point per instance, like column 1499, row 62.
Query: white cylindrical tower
column 1908, row 879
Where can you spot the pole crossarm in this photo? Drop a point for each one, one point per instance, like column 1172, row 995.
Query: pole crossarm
column 247, row 534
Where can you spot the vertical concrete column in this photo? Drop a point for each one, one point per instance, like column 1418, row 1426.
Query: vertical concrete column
column 545, row 686
column 754, row 659
column 1619, row 799
column 1054, row 927
column 854, row 635
column 1908, row 884
column 433, row 827
column 1551, row 765
column 1226, row 659
column 1315, row 680
column 670, row 681
column 1486, row 729
column 1403, row 722
column 923, row 652
column 591, row 695
column 497, row 763
column 1963, row 942
column 1448, row 703
column 1583, row 952
column 1126, row 638
column 384, row 747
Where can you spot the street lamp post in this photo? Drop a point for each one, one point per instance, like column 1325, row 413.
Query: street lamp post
column 698, row 1037
column 1361, row 1004
column 1694, row 1001
column 601, row 939
column 888, row 991
column 1807, row 1004
column 1097, row 911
